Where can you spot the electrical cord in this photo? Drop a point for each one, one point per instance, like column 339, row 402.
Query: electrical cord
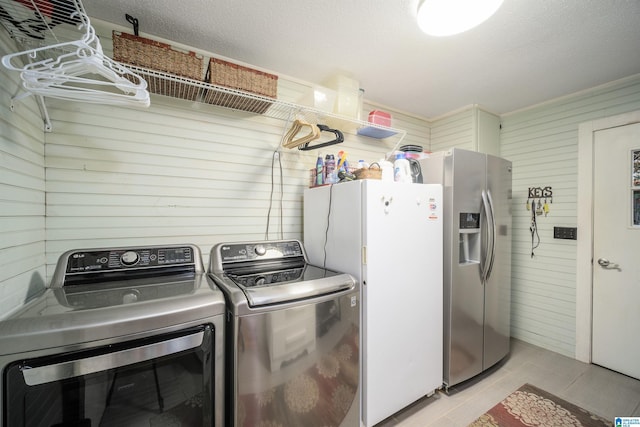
column 276, row 155
column 326, row 231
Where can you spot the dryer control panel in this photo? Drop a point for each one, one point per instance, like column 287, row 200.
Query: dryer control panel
column 126, row 258
column 256, row 251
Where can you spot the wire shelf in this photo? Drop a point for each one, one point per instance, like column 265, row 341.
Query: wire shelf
column 39, row 23
column 200, row 91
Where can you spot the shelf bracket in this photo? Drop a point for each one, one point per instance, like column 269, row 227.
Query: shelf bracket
column 45, row 113
column 41, row 106
column 392, row 154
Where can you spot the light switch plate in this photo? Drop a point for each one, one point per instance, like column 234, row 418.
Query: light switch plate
column 569, row 233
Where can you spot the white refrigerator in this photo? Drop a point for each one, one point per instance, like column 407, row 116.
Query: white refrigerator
column 389, row 236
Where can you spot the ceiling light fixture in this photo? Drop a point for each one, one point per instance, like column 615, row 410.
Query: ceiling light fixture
column 448, row 17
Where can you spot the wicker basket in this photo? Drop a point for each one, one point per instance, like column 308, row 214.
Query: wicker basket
column 368, row 173
column 154, row 55
column 234, row 76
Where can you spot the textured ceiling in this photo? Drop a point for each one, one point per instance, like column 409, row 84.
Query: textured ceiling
column 530, row 51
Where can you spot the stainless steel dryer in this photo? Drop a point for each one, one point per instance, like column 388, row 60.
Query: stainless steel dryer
column 293, row 336
column 123, row 337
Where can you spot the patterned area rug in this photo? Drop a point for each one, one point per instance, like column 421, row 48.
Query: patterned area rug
column 529, row 406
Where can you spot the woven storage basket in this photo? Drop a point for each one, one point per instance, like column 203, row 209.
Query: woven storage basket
column 368, row 173
column 234, row 76
column 154, row 55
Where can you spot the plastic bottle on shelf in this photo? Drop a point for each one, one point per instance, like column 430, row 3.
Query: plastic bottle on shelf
column 401, row 169
column 362, row 164
column 329, row 169
column 387, row 170
column 319, row 170
column 343, row 164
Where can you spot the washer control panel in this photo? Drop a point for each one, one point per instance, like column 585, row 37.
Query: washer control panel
column 118, row 259
column 235, row 252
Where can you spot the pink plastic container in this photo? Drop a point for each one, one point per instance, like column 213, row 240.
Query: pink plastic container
column 381, row 118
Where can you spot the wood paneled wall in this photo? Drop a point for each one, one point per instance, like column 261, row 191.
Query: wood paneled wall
column 453, row 130
column 22, row 192
column 181, row 171
column 542, row 143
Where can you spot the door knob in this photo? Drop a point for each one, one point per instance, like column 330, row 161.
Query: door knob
column 608, row 265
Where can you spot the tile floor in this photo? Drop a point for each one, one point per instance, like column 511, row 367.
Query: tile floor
column 591, row 387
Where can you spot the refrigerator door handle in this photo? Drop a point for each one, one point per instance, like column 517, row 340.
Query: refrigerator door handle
column 484, row 265
column 494, row 237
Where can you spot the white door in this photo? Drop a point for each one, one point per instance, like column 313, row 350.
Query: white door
column 616, row 249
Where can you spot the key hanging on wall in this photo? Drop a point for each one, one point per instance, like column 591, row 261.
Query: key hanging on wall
column 545, row 207
column 537, row 207
column 535, row 198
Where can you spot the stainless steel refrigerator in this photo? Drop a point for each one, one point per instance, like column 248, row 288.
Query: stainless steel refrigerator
column 388, row 236
column 477, row 259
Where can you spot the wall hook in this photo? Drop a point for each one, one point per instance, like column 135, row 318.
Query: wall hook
column 534, row 200
column 133, row 21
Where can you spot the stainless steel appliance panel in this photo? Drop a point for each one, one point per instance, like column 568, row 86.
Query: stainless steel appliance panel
column 123, row 336
column 293, row 361
column 139, row 382
column 477, row 259
column 497, row 323
column 299, row 365
column 465, row 312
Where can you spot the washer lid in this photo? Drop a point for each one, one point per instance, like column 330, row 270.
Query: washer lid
column 271, row 272
column 291, row 284
column 58, row 318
